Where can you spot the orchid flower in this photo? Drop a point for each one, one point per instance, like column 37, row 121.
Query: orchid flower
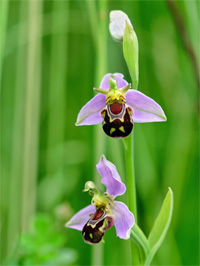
column 117, row 107
column 104, row 211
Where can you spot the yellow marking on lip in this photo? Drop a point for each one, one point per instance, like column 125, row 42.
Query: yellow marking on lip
column 91, row 235
column 122, row 129
column 112, row 130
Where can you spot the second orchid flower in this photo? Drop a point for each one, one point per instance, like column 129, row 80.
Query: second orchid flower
column 104, row 211
column 117, row 107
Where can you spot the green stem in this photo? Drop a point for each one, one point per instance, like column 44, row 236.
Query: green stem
column 138, row 236
column 130, row 174
column 4, row 6
column 131, row 189
column 149, row 258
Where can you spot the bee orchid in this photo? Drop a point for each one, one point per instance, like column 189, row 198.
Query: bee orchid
column 104, row 211
column 118, row 107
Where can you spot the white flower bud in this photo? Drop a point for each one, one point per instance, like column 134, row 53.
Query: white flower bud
column 117, row 24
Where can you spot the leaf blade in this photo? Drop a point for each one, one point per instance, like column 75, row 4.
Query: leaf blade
column 160, row 226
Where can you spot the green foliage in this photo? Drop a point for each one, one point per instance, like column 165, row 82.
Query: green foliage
column 162, row 222
column 158, row 232
column 44, row 245
column 160, row 226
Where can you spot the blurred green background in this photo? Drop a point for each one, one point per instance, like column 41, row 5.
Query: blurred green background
column 52, row 54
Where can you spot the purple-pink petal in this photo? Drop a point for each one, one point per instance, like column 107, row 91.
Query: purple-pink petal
column 90, row 112
column 118, row 77
column 110, row 177
column 80, row 218
column 145, row 108
column 124, row 219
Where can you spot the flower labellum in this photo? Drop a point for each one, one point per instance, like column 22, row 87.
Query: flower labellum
column 94, row 230
column 104, row 211
column 117, row 107
column 117, row 116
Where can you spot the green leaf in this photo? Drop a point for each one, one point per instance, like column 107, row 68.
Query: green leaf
column 160, row 226
column 139, row 238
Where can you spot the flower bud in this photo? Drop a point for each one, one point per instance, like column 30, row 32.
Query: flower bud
column 117, row 24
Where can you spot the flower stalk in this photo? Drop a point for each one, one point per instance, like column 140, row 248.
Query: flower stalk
column 138, row 236
column 130, row 174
